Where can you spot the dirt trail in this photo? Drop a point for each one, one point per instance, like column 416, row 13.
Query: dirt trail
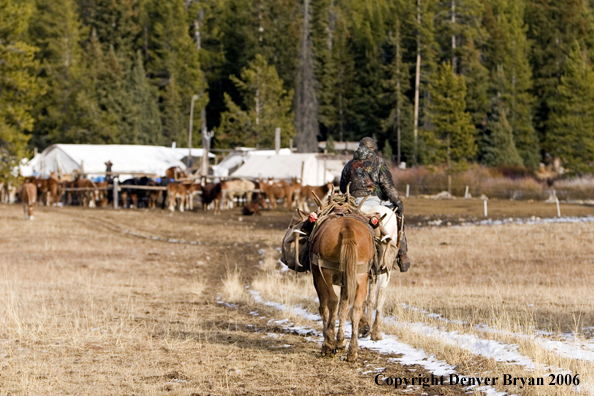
column 128, row 309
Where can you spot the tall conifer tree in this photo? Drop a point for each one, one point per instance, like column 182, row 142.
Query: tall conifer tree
column 452, row 138
column 19, row 87
column 570, row 126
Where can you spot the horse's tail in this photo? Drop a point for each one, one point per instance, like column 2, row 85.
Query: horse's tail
column 348, row 262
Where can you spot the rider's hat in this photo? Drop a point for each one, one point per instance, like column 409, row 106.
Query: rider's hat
column 368, row 142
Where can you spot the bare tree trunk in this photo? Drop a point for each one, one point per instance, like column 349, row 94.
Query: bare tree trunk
column 398, row 93
column 198, row 39
column 340, row 106
column 257, row 100
column 453, row 36
column 331, row 24
column 306, row 102
column 417, row 86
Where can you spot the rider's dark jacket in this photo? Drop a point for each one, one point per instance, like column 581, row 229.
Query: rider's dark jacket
column 368, row 175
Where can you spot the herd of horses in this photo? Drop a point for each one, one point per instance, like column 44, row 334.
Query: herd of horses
column 175, row 190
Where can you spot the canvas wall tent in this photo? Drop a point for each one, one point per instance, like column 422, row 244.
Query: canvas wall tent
column 237, row 157
column 334, row 164
column 306, row 166
column 91, row 159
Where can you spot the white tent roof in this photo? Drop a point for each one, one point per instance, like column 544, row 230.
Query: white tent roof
column 238, row 156
column 286, row 167
column 181, row 152
column 91, row 159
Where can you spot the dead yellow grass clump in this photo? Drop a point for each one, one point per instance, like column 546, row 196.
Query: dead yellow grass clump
column 234, row 287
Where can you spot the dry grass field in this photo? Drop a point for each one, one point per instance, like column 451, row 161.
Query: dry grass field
column 101, row 302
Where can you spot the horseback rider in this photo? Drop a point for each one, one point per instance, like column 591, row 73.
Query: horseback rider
column 368, row 175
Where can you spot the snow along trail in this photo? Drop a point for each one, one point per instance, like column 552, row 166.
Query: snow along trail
column 527, row 221
column 389, row 345
column 577, row 349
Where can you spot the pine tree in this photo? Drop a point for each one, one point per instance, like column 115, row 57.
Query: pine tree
column 334, row 68
column 173, row 127
column 19, row 87
column 452, row 138
column 146, row 123
column 425, row 50
column 399, row 121
column 56, row 29
column 96, row 114
column 371, row 26
column 461, row 37
column 554, row 26
column 511, row 77
column 172, row 54
column 116, row 23
column 501, row 148
column 477, row 84
column 269, row 107
column 571, row 122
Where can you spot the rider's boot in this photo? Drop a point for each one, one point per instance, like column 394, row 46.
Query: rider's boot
column 403, row 260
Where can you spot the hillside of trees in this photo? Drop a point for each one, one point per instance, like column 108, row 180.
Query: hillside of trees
column 496, row 82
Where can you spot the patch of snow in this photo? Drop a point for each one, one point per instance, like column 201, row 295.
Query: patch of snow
column 498, row 351
column 530, row 221
column 574, row 348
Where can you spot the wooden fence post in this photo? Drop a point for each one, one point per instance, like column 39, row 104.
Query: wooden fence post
column 115, row 193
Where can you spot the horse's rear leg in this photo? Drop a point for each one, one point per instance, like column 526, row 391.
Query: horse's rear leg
column 343, row 311
column 356, row 316
column 368, row 305
column 328, row 303
column 382, row 283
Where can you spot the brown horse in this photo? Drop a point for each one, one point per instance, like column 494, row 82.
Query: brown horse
column 53, row 184
column 280, row 189
column 175, row 173
column 306, row 192
column 342, row 252
column 28, row 195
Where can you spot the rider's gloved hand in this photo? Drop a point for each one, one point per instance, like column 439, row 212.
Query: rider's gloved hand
column 400, row 207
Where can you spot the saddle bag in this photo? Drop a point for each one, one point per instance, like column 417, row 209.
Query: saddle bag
column 386, row 255
column 294, row 248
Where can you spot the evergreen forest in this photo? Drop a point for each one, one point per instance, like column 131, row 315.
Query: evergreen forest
column 495, row 82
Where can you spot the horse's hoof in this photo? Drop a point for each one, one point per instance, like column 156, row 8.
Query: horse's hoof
column 352, row 357
column 364, row 332
column 341, row 345
column 328, row 352
column 376, row 336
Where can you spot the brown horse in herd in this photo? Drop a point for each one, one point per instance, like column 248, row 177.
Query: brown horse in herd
column 28, row 196
column 280, row 190
column 305, row 193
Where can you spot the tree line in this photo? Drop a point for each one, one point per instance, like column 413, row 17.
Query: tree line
column 499, row 82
